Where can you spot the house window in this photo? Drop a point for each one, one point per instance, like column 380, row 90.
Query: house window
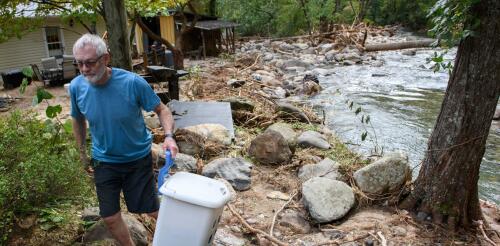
column 54, row 41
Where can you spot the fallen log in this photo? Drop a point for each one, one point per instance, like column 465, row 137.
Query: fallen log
column 399, row 46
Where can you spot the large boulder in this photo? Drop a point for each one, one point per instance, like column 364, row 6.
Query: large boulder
column 236, row 171
column 270, row 148
column 387, row 174
column 326, row 199
column 326, row 168
column 313, row 139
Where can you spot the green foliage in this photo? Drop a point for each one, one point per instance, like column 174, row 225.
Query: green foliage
column 449, row 18
column 412, row 14
column 39, row 165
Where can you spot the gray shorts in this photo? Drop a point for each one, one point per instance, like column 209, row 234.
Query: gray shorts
column 137, row 181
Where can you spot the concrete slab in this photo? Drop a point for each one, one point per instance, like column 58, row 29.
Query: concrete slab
column 195, row 113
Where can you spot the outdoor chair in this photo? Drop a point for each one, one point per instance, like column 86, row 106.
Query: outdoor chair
column 49, row 63
column 51, row 72
column 38, row 75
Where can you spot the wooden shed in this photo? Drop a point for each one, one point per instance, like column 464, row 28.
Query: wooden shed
column 212, row 36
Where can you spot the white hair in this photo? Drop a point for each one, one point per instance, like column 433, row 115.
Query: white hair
column 92, row 40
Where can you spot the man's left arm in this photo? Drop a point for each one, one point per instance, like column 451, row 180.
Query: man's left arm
column 167, row 122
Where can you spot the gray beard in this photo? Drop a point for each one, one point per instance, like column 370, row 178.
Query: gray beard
column 93, row 79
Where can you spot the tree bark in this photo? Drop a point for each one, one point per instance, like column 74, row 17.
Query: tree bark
column 118, row 42
column 399, row 46
column 446, row 187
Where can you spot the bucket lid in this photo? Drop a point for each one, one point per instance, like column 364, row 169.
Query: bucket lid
column 196, row 189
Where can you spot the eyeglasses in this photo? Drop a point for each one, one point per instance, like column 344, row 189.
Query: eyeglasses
column 88, row 63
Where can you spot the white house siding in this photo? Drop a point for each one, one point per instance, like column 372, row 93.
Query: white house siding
column 31, row 48
column 18, row 53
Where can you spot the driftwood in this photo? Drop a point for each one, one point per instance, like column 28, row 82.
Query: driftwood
column 399, row 46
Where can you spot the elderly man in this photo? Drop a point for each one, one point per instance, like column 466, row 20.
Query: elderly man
column 112, row 100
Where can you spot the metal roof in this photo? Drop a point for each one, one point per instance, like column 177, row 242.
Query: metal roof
column 212, row 24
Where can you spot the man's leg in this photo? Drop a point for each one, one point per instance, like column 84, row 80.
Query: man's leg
column 119, row 229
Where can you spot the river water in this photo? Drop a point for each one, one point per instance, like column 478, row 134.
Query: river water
column 403, row 98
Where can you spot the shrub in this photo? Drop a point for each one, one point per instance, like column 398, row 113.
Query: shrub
column 39, row 165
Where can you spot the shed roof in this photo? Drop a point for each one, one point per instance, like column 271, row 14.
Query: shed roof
column 212, row 24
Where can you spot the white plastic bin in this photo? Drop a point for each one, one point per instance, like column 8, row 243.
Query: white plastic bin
column 190, row 209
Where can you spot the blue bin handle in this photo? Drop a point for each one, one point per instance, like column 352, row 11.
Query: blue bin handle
column 169, row 162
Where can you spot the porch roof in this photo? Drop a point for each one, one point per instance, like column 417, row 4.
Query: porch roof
column 212, row 24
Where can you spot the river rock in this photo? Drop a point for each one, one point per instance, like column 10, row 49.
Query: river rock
column 296, row 63
column 270, row 148
column 326, row 199
column 275, row 93
column 288, row 111
column 330, row 55
column 309, row 88
column 312, row 139
column 184, row 162
column 268, row 57
column 224, row 237
column 99, row 231
column 213, row 132
column 236, row 171
column 326, row 168
column 387, row 174
column 295, row 221
column 301, row 46
column 409, row 52
column 324, row 48
column 286, row 47
column 91, row 214
column 349, row 56
column 322, row 72
column 286, row 131
column 240, row 103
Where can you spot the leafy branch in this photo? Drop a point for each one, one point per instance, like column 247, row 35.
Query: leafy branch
column 42, row 95
column 365, row 121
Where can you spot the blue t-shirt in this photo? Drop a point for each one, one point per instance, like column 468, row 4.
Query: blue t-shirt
column 113, row 111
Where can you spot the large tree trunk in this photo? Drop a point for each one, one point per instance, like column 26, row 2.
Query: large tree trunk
column 118, row 42
column 446, row 187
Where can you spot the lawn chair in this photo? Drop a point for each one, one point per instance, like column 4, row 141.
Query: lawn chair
column 38, row 75
column 51, row 71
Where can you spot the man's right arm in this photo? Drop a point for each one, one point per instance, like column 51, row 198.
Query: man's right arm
column 80, row 133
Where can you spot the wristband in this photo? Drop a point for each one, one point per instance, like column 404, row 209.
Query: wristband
column 169, row 135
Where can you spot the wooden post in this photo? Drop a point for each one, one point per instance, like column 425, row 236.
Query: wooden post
column 173, row 87
column 232, row 40
column 203, row 41
column 155, row 58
